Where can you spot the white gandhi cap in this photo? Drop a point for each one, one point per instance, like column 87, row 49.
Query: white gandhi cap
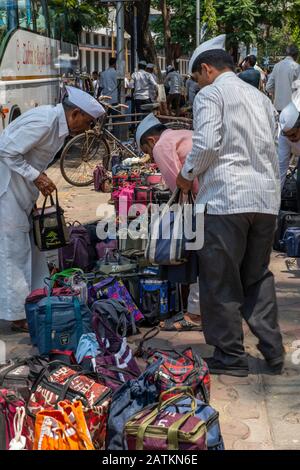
column 144, row 126
column 215, row 43
column 85, row 102
column 290, row 114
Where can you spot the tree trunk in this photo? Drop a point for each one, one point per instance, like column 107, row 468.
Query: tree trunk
column 145, row 44
column 166, row 15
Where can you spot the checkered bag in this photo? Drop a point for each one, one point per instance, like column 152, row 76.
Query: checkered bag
column 184, row 369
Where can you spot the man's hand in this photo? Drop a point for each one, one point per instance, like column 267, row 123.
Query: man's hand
column 45, row 185
column 183, row 184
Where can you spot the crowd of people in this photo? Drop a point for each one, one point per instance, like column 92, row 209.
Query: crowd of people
column 229, row 161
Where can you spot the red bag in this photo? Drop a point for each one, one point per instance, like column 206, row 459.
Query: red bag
column 10, row 401
column 59, row 382
column 143, row 195
column 184, row 369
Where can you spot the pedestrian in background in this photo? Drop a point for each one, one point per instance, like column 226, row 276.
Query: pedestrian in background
column 143, row 84
column 175, row 83
column 250, row 74
column 109, row 82
column 280, row 81
column 153, row 89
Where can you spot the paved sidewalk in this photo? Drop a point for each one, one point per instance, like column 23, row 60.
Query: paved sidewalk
column 258, row 412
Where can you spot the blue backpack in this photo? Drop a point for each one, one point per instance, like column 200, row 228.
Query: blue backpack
column 291, row 241
column 60, row 322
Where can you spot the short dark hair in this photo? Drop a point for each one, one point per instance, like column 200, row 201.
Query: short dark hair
column 142, row 66
column 155, row 130
column 95, row 72
column 112, row 61
column 292, row 51
column 251, row 59
column 217, row 58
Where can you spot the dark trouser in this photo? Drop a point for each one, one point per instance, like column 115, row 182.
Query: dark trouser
column 173, row 102
column 138, row 107
column 116, row 130
column 235, row 283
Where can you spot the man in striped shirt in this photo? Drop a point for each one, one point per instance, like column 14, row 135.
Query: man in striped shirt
column 234, row 157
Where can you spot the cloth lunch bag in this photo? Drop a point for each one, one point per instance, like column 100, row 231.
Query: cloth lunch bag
column 111, row 288
column 31, row 305
column 17, row 374
column 115, row 352
column 79, row 253
column 60, row 323
column 58, row 382
column 162, row 428
column 10, row 402
column 115, row 263
column 181, row 369
column 131, row 398
column 203, row 411
column 102, row 179
column 166, row 243
column 116, row 314
column 154, row 300
column 49, row 226
column 291, row 242
column 123, row 198
column 62, row 429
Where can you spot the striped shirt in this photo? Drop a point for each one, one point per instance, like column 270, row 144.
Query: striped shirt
column 234, row 152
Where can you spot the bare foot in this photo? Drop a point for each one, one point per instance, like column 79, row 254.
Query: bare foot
column 20, row 326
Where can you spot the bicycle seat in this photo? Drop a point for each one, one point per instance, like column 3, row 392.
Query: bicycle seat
column 150, row 106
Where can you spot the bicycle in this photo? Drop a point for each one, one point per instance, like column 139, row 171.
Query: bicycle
column 94, row 147
column 85, row 151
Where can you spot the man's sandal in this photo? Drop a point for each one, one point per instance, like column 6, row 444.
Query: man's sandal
column 185, row 325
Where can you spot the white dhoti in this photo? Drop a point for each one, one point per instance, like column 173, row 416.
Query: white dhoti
column 23, row 266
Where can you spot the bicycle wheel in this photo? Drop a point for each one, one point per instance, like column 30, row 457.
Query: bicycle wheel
column 80, row 157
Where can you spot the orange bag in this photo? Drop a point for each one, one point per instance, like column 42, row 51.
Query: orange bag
column 62, row 429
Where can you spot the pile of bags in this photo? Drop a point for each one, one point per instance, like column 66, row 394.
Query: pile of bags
column 97, row 398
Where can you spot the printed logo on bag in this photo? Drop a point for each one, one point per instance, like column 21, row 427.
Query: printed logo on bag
column 52, row 238
column 64, row 339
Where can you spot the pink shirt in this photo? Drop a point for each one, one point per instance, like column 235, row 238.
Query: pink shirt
column 170, row 153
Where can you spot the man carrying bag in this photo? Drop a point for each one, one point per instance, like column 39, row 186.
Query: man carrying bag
column 27, row 146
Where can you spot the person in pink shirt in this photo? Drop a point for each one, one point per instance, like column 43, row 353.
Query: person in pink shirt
column 169, row 149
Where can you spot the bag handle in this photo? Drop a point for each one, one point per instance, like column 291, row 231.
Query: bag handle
column 99, row 319
column 173, row 435
column 66, row 386
column 140, row 351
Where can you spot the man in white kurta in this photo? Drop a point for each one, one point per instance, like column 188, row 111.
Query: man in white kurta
column 27, row 146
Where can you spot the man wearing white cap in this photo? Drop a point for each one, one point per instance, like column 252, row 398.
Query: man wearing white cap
column 27, row 147
column 169, row 148
column 234, row 157
column 289, row 140
column 143, row 83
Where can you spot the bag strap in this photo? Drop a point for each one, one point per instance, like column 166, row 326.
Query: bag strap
column 97, row 319
column 173, row 435
column 140, row 351
column 66, row 386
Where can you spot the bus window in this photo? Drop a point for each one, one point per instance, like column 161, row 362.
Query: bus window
column 39, row 17
column 8, row 16
column 3, row 18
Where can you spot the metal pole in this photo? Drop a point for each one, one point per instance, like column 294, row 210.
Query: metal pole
column 121, row 57
column 136, row 59
column 198, row 21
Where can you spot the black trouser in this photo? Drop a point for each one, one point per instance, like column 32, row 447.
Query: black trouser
column 138, row 107
column 235, row 283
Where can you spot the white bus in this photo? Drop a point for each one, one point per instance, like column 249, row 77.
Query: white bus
column 33, row 55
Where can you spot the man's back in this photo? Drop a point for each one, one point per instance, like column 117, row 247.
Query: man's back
column 281, row 80
column 109, row 84
column 142, row 84
column 235, row 129
column 175, row 82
